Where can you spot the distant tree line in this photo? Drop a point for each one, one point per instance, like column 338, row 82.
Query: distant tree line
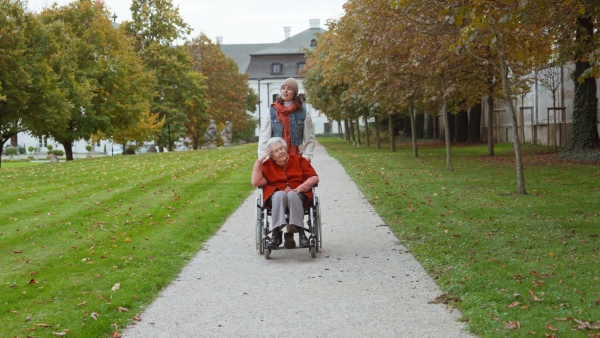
column 70, row 73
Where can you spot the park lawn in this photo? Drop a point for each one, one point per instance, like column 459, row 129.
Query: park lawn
column 515, row 265
column 9, row 165
column 86, row 245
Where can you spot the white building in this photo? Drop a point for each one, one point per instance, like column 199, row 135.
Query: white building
column 269, row 64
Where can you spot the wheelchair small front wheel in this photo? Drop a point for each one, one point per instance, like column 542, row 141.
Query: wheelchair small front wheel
column 267, row 253
column 313, row 252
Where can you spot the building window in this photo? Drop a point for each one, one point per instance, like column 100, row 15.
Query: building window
column 300, row 66
column 313, row 43
column 276, row 69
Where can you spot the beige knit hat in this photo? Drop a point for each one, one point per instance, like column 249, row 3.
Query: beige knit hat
column 292, row 83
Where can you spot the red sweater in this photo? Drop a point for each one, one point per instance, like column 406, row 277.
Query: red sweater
column 293, row 175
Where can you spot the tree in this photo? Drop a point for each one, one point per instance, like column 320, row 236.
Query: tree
column 102, row 76
column 147, row 127
column 179, row 90
column 155, row 21
column 585, row 107
column 551, row 78
column 228, row 89
column 181, row 99
column 515, row 32
column 572, row 25
column 30, row 95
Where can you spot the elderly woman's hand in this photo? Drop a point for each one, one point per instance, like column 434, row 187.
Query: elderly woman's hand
column 265, row 156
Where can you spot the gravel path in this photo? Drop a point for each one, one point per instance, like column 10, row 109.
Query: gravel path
column 363, row 283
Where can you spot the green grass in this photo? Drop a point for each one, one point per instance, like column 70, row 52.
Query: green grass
column 9, row 165
column 71, row 231
column 516, row 265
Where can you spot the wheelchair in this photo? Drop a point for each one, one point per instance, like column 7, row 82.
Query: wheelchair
column 263, row 230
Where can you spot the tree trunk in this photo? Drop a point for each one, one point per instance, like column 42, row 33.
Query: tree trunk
column 490, row 131
column 366, row 117
column 413, row 129
column 447, row 131
column 474, row 132
column 352, row 132
column 429, row 127
column 358, row 130
column 377, row 133
column 340, row 130
column 451, row 118
column 585, row 103
column 515, row 127
column 391, row 130
column 461, row 125
column 68, row 145
column 347, row 131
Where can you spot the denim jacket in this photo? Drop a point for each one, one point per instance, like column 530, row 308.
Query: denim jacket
column 303, row 130
column 296, row 125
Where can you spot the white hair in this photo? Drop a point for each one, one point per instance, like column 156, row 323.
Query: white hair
column 273, row 140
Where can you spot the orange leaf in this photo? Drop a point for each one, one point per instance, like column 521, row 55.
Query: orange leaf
column 513, row 325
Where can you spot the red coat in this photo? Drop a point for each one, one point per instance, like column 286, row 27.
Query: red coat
column 296, row 171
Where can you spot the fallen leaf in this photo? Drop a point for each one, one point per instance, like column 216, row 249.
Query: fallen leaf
column 122, row 309
column 550, row 327
column 137, row 317
column 583, row 325
column 32, row 281
column 535, row 298
column 43, row 325
column 513, row 305
column 116, row 334
column 116, row 287
column 513, row 325
column 59, row 334
column 94, row 315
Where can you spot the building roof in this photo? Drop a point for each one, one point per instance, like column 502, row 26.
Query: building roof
column 240, row 53
column 292, row 45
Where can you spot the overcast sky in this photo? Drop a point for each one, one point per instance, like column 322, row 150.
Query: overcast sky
column 237, row 21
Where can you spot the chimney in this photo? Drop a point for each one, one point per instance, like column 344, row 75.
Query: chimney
column 219, row 40
column 315, row 23
column 286, row 31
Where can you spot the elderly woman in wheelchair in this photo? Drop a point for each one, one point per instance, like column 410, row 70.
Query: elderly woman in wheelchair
column 287, row 182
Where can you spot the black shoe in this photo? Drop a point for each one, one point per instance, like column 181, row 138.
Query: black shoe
column 303, row 240
column 276, row 240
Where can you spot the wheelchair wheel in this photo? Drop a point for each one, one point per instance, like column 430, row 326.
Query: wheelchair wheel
column 258, row 228
column 315, row 221
column 260, row 243
column 319, row 232
column 313, row 251
column 268, row 253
